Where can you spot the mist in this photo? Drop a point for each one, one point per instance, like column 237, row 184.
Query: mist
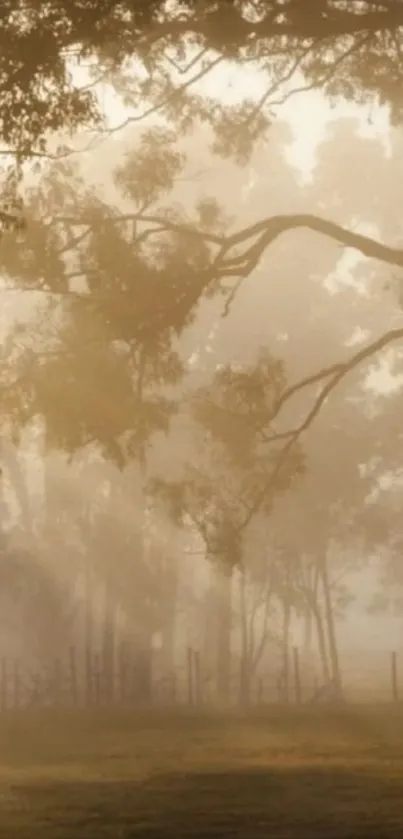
column 202, row 370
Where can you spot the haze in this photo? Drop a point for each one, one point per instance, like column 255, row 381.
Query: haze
column 201, row 403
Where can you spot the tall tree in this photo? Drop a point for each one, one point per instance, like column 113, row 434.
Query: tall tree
column 231, row 481
column 104, row 366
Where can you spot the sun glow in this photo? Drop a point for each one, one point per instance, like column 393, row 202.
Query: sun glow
column 307, row 112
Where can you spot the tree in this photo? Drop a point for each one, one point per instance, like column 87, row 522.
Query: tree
column 232, row 480
column 332, row 45
column 133, row 280
column 351, row 38
column 103, row 259
column 343, row 50
column 111, row 330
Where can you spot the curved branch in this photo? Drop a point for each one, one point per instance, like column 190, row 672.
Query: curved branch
column 336, row 373
column 268, row 230
column 262, row 234
column 104, row 133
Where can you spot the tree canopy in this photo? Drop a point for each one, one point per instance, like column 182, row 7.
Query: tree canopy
column 349, row 49
column 153, row 53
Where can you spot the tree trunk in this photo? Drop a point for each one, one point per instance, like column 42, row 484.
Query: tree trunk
column 209, row 631
column 169, row 617
column 224, row 615
column 142, row 637
column 308, row 626
column 142, row 677
column 168, row 639
column 109, row 643
column 88, row 633
column 286, row 652
column 330, row 624
column 320, row 631
column 246, row 652
column 18, row 479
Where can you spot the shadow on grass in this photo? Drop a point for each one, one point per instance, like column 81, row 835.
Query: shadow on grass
column 292, row 803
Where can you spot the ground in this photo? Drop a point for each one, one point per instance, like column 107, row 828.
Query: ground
column 274, row 774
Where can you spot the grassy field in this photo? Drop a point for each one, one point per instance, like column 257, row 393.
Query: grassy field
column 275, row 774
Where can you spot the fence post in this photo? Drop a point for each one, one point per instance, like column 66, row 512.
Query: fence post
column 57, row 682
column 297, row 676
column 189, row 660
column 88, row 677
column 174, row 686
column 97, row 679
column 73, row 675
column 3, row 699
column 197, row 677
column 17, row 684
column 123, row 664
column 260, row 691
column 395, row 684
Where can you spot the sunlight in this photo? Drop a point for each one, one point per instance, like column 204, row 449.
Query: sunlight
column 310, row 113
column 202, row 378
column 343, row 274
column 380, row 379
column 307, row 113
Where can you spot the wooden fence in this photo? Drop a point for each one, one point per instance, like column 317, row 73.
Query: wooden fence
column 85, row 680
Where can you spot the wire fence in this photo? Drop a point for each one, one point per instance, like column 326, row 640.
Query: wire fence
column 77, row 680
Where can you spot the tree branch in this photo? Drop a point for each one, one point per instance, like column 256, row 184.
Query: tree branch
column 268, row 230
column 301, row 19
column 104, row 133
column 336, row 373
column 160, row 223
column 264, row 233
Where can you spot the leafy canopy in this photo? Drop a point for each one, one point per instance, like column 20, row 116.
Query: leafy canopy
column 144, row 46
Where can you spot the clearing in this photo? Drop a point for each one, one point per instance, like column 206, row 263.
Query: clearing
column 272, row 774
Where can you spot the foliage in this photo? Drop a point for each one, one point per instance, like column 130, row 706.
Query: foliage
column 353, row 49
column 234, row 477
column 151, row 169
column 101, row 363
column 239, row 404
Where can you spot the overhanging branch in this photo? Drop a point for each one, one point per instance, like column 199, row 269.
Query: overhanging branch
column 256, row 238
column 265, row 232
column 334, row 375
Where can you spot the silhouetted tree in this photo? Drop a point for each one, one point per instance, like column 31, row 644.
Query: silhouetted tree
column 349, row 50
column 232, row 479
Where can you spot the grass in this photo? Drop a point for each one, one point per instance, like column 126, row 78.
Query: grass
column 274, row 774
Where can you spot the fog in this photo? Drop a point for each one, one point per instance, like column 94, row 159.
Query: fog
column 145, row 515
column 201, row 288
